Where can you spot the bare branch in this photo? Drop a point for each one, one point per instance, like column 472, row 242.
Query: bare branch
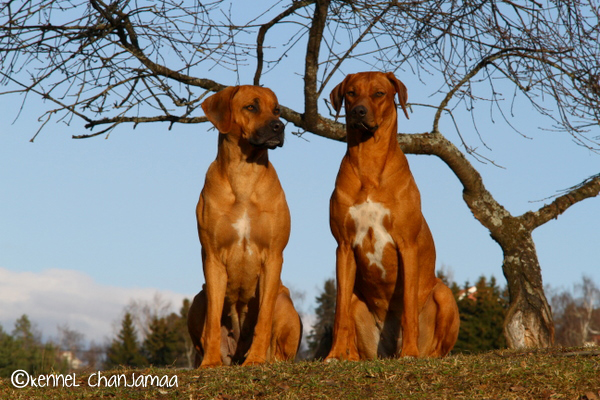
column 139, row 120
column 312, row 62
column 324, row 127
column 351, row 48
column 262, row 32
column 488, row 60
column 587, row 189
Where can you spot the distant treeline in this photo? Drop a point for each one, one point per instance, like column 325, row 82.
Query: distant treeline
column 150, row 334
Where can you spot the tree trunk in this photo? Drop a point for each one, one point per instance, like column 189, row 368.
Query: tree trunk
column 528, row 321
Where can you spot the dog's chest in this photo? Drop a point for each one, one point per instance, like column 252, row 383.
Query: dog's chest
column 243, row 228
column 240, row 255
column 250, row 231
column 371, row 235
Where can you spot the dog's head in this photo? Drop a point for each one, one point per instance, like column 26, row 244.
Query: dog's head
column 370, row 100
column 249, row 112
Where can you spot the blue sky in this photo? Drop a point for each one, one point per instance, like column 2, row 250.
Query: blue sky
column 113, row 219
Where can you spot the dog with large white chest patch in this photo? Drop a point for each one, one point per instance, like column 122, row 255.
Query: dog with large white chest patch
column 389, row 301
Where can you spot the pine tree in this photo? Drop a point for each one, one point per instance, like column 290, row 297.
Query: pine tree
column 319, row 338
column 482, row 318
column 7, row 349
column 160, row 346
column 25, row 350
column 125, row 349
column 24, row 332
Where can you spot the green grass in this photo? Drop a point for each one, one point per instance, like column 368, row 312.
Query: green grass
column 540, row 374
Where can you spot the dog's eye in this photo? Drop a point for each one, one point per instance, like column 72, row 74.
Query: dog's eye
column 379, row 94
column 350, row 93
column 250, row 108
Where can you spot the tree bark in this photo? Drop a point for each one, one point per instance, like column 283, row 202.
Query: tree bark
column 315, row 36
column 528, row 322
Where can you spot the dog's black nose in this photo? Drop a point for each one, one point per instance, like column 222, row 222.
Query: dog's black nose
column 277, row 126
column 359, row 111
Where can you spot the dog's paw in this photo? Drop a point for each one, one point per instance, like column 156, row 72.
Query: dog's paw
column 253, row 361
column 210, row 364
column 409, row 354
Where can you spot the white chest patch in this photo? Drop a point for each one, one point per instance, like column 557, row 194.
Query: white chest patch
column 242, row 227
column 370, row 215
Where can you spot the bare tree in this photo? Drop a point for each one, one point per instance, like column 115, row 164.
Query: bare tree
column 69, row 339
column 577, row 313
column 93, row 357
column 110, row 63
column 70, row 342
column 144, row 312
column 590, row 299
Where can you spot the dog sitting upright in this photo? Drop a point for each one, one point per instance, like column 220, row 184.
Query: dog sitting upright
column 243, row 313
column 389, row 301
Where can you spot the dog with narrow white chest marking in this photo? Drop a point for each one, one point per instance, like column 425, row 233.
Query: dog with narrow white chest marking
column 389, row 301
column 244, row 314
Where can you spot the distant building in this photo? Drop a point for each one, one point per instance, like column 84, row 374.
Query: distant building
column 73, row 362
column 470, row 293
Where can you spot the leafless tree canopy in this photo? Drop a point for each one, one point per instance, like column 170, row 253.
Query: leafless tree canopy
column 138, row 61
column 103, row 62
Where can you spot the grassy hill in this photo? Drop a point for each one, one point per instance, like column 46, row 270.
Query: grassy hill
column 540, row 374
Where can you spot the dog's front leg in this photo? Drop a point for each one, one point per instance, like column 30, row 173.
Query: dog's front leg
column 268, row 291
column 216, row 285
column 343, row 347
column 410, row 313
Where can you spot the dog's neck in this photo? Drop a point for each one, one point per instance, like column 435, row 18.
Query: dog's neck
column 371, row 157
column 241, row 162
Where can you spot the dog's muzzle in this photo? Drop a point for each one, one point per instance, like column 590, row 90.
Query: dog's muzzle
column 269, row 136
column 357, row 120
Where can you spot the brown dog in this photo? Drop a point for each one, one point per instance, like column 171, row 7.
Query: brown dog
column 244, row 313
column 389, row 301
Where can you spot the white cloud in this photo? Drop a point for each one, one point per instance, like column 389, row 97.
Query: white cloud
column 57, row 297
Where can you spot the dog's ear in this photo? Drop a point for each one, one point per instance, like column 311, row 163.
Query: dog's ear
column 217, row 108
column 401, row 91
column 337, row 96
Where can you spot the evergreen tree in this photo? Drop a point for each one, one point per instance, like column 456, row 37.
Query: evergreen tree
column 7, row 348
column 319, row 338
column 28, row 351
column 481, row 318
column 25, row 350
column 22, row 352
column 24, row 332
column 125, row 349
column 160, row 346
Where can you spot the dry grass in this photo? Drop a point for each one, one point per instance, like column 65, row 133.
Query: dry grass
column 541, row 374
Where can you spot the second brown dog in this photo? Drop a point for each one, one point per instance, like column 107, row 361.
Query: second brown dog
column 389, row 301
